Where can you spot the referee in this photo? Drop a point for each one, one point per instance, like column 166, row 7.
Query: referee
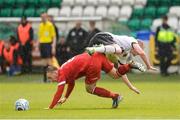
column 47, row 41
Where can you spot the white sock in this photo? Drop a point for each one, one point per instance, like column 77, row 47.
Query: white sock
column 108, row 49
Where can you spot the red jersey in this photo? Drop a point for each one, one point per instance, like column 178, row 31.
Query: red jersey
column 85, row 65
column 78, row 66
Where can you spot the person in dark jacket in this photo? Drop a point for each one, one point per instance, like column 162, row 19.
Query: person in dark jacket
column 63, row 52
column 76, row 39
column 165, row 44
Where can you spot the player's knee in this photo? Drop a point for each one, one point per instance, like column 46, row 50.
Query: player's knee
column 116, row 76
column 89, row 89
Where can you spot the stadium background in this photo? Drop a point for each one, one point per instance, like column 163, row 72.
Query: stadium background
column 138, row 18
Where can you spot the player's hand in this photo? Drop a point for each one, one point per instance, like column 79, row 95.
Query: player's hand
column 152, row 68
column 135, row 90
column 46, row 108
column 62, row 100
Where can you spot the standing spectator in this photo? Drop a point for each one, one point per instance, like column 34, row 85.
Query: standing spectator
column 1, row 56
column 165, row 43
column 51, row 19
column 63, row 52
column 25, row 37
column 76, row 39
column 93, row 30
column 47, row 41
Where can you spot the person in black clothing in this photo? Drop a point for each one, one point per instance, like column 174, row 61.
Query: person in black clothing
column 63, row 52
column 76, row 39
column 93, row 30
column 165, row 44
column 25, row 37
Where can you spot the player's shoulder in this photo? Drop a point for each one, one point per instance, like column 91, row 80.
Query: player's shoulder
column 99, row 55
column 82, row 57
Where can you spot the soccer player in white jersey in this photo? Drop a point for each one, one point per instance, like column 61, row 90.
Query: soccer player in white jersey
column 120, row 45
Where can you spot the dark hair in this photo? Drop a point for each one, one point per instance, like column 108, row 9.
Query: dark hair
column 13, row 40
column 23, row 18
column 50, row 68
column 165, row 18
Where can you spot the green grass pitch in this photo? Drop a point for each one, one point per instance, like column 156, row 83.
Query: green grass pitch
column 159, row 98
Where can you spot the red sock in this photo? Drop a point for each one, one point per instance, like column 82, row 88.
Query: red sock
column 104, row 93
column 123, row 69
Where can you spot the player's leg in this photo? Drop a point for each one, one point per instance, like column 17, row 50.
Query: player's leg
column 113, row 48
column 138, row 66
column 125, row 68
column 93, row 89
column 103, row 43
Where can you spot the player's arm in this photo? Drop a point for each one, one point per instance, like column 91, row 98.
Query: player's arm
column 109, row 68
column 121, row 70
column 143, row 56
column 57, row 95
column 113, row 73
column 128, row 83
column 69, row 89
column 68, row 92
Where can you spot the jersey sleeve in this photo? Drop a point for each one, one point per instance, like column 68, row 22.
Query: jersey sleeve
column 106, row 64
column 69, row 89
column 57, row 95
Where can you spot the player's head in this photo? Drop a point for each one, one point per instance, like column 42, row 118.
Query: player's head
column 52, row 73
column 141, row 44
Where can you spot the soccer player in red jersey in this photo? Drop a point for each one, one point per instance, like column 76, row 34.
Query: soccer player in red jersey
column 89, row 66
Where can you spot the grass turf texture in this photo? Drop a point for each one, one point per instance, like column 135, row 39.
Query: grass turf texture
column 159, row 98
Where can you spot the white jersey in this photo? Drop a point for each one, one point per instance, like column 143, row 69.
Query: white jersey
column 125, row 42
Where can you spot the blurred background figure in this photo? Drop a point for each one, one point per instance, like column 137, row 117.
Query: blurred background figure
column 13, row 60
column 51, row 19
column 63, row 52
column 165, row 43
column 25, row 37
column 47, row 41
column 92, row 31
column 1, row 56
column 76, row 39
